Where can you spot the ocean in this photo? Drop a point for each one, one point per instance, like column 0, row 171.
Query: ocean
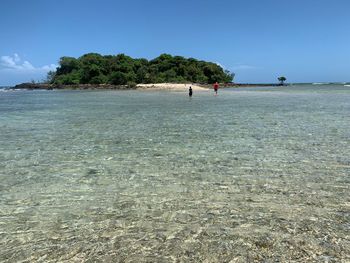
column 253, row 174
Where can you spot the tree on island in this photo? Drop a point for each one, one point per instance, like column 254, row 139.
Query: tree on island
column 50, row 77
column 121, row 69
column 282, row 80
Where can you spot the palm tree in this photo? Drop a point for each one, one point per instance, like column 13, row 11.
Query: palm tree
column 282, row 80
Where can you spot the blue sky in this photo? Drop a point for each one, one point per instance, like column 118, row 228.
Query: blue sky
column 259, row 40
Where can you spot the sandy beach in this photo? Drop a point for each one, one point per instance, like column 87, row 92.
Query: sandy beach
column 171, row 87
column 150, row 87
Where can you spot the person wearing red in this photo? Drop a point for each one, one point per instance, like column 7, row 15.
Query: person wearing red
column 216, row 87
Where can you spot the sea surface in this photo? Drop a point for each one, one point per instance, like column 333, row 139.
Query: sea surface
column 250, row 175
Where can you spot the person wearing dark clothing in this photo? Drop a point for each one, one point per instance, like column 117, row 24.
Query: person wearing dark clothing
column 190, row 92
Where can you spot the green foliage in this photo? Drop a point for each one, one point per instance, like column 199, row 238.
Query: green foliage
column 94, row 68
column 67, row 65
column 282, row 80
column 50, row 76
column 118, row 78
column 67, row 79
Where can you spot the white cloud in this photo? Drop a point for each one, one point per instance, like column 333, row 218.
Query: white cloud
column 15, row 64
column 7, row 62
column 49, row 67
column 220, row 65
column 230, row 69
column 16, row 57
column 27, row 66
column 14, row 70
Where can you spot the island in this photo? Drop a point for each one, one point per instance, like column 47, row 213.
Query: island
column 96, row 71
column 166, row 72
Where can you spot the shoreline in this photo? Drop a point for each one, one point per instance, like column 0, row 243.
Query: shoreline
column 150, row 87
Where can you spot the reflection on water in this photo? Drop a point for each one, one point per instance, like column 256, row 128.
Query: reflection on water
column 128, row 176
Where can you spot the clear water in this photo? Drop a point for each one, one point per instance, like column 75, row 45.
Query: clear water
column 255, row 174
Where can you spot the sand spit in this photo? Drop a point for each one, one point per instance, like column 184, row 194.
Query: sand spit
column 171, row 87
column 152, row 86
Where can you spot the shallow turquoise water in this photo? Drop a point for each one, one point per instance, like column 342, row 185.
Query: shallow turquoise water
column 135, row 176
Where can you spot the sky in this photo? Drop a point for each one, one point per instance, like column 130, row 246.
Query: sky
column 258, row 40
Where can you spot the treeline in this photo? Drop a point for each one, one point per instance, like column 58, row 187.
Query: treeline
column 94, row 68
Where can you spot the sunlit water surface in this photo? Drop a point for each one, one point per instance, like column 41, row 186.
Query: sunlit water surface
column 255, row 174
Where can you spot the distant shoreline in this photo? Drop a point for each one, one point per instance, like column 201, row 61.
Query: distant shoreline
column 152, row 86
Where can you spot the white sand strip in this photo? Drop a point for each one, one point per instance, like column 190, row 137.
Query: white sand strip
column 170, row 87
